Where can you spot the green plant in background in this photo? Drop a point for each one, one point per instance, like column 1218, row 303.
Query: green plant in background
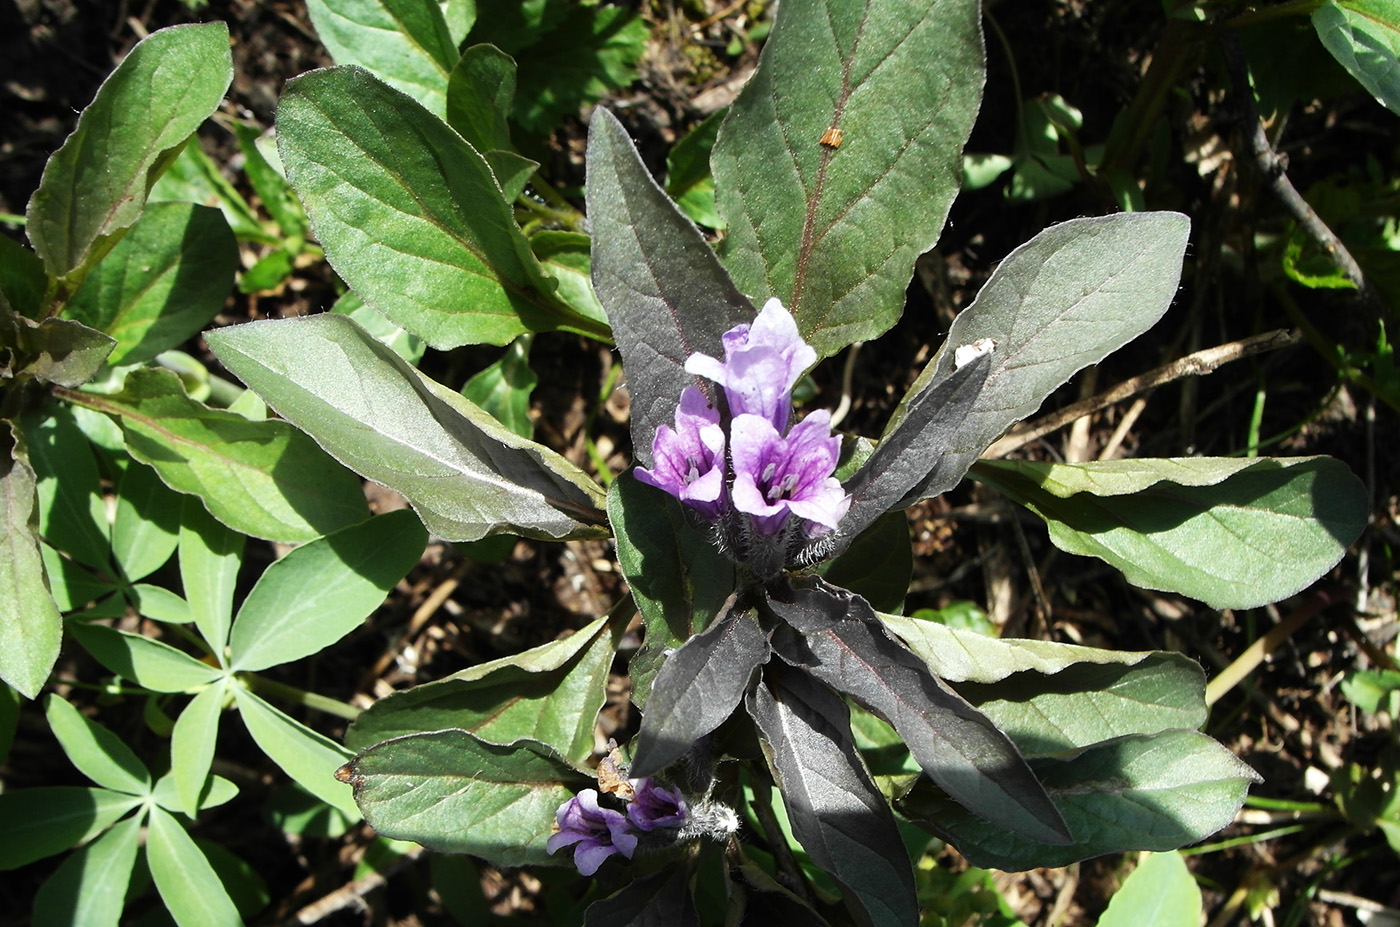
column 780, row 688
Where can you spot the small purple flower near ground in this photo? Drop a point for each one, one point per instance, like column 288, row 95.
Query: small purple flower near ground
column 655, row 807
column 776, row 476
column 688, row 461
column 595, row 833
column 761, row 364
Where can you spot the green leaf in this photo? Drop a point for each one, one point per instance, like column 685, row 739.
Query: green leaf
column 479, row 94
column 455, row 793
column 162, row 283
column 409, row 347
column 688, row 178
column 504, row 388
column 22, row 279
column 31, row 628
column 834, row 232
column 146, row 529
column 664, row 291
column 270, row 185
column 1367, row 688
column 593, row 51
column 1158, row 893
column 1064, row 300
column 261, row 478
column 565, row 256
column 460, row 16
column 220, row 792
column 72, row 513
column 94, row 187
column 306, row 756
column 836, row 637
column 837, row 813
column 192, row 746
column 1157, row 792
column 90, row 887
column 210, row 555
column 551, row 694
column 679, row 580
column 271, row 271
column 193, row 177
column 73, row 586
column 1232, row 533
column 57, row 351
column 43, row 821
column 147, row 662
column 1365, row 38
column 411, row 216
column 191, row 890
column 159, row 604
column 697, row 688
column 96, row 751
column 323, row 590
column 406, row 43
column 465, row 474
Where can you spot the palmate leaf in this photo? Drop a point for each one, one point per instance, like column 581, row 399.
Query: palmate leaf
column 90, row 886
column 1142, row 792
column 94, row 187
column 411, row 216
column 837, row 813
column 466, row 475
column 834, row 231
column 697, row 688
column 42, row 821
column 455, row 793
column 551, row 693
column 679, row 580
column 837, row 637
column 1232, row 533
column 665, row 292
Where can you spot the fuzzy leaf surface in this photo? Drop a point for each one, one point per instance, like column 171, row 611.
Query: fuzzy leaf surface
column 466, row 475
column 697, row 688
column 1232, row 533
column 479, row 94
column 162, row 283
column 410, row 215
column 677, row 577
column 840, row 641
column 94, row 187
column 837, row 813
column 31, row 628
column 664, row 291
column 661, row 899
column 1066, row 299
column 834, row 231
column 55, row 350
column 455, row 793
column 551, row 693
column 406, row 43
column 1364, row 37
column 1154, row 792
column 261, row 478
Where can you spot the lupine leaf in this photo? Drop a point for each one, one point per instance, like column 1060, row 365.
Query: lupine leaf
column 188, row 885
column 42, row 821
column 306, row 756
column 465, row 474
column 837, row 813
column 1232, row 533
column 192, row 746
column 455, row 793
column 94, row 187
column 90, row 887
column 844, row 645
column 834, row 231
column 146, row 527
column 210, row 554
column 664, row 291
column 697, row 688
column 72, row 513
column 97, row 752
column 143, row 660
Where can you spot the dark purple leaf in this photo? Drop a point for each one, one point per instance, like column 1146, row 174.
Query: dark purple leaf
column 664, row 291
column 843, row 644
column 661, row 899
column 697, row 688
column 837, row 813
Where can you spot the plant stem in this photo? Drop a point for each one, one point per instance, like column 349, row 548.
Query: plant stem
column 300, row 696
column 1255, row 653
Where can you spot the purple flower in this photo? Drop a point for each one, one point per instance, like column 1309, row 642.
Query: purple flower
column 688, row 461
column 762, row 361
column 776, row 476
column 655, row 806
column 595, row 833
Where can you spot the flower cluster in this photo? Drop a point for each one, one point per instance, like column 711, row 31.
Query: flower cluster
column 753, row 464
column 596, row 832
